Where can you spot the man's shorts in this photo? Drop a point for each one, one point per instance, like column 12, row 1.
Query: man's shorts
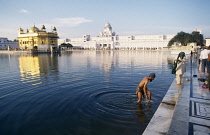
column 140, row 89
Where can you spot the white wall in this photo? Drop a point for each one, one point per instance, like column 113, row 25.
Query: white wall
column 207, row 41
column 4, row 43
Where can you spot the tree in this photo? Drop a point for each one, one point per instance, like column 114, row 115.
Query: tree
column 66, row 45
column 181, row 37
column 197, row 37
column 184, row 38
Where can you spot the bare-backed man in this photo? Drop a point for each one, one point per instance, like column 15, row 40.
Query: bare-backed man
column 142, row 90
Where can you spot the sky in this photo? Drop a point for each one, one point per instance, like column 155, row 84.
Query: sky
column 75, row 18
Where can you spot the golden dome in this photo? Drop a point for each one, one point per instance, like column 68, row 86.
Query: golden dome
column 54, row 29
column 20, row 29
column 34, row 28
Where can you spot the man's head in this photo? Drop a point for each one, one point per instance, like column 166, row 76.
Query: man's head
column 152, row 76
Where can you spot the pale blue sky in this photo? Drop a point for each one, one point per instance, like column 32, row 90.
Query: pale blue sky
column 74, row 18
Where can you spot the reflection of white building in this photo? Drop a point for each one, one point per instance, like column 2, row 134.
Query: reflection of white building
column 111, row 61
column 5, row 43
column 109, row 40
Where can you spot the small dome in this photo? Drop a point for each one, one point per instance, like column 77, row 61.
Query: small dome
column 107, row 25
column 43, row 27
column 34, row 28
column 54, row 29
column 20, row 29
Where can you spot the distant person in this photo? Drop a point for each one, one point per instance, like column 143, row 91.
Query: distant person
column 199, row 60
column 199, row 51
column 142, row 90
column 204, row 59
column 179, row 68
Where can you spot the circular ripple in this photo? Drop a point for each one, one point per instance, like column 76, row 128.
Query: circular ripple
column 114, row 100
column 110, row 108
column 111, row 105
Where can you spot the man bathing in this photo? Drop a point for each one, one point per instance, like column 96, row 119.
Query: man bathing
column 141, row 90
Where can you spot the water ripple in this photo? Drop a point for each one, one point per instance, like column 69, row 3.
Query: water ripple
column 79, row 93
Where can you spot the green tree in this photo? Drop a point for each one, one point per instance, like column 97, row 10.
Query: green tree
column 184, row 38
column 197, row 37
column 181, row 37
column 15, row 40
column 68, row 45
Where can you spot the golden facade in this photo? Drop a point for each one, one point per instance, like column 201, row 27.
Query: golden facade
column 35, row 39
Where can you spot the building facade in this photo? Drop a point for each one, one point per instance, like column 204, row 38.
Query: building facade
column 207, row 41
column 110, row 40
column 6, row 44
column 35, row 39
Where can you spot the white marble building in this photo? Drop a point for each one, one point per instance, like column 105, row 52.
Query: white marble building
column 4, row 43
column 110, row 40
column 207, row 41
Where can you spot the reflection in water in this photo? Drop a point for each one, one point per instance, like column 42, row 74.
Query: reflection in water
column 143, row 111
column 109, row 61
column 170, row 63
column 35, row 69
column 82, row 92
column 49, row 66
column 29, row 69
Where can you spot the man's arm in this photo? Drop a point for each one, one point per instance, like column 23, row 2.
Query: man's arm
column 145, row 87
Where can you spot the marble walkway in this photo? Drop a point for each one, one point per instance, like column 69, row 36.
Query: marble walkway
column 185, row 109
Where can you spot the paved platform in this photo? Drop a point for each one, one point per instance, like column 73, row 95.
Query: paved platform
column 185, row 110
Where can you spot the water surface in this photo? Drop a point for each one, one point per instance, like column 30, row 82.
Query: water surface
column 80, row 92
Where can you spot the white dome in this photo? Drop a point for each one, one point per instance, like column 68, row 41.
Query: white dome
column 107, row 25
